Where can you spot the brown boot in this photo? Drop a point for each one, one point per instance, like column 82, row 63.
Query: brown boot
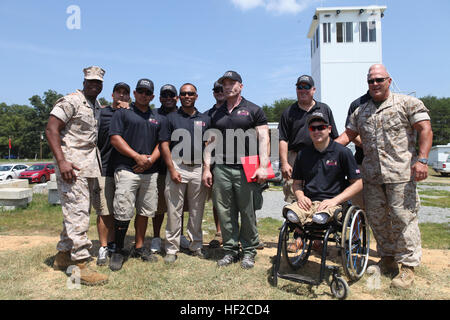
column 388, row 266
column 88, row 276
column 62, row 261
column 405, row 278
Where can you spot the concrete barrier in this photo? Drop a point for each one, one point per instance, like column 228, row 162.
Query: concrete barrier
column 13, row 198
column 53, row 194
column 14, row 183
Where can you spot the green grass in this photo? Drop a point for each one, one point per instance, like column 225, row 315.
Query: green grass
column 435, row 198
column 27, row 273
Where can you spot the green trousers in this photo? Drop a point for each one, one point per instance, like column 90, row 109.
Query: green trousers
column 233, row 195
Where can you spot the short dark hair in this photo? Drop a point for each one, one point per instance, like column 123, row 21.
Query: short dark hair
column 188, row 84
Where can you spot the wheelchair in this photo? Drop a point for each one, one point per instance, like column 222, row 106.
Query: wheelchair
column 348, row 229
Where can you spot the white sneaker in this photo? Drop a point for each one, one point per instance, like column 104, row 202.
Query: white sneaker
column 102, row 256
column 155, row 247
column 184, row 242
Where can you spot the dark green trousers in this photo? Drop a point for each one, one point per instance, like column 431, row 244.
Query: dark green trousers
column 233, row 196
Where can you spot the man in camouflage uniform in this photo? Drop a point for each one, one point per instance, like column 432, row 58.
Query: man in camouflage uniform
column 72, row 135
column 387, row 124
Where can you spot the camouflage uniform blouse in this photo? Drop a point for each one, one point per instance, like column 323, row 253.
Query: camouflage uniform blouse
column 388, row 137
column 79, row 136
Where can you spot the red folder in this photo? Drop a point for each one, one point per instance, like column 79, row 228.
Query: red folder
column 250, row 164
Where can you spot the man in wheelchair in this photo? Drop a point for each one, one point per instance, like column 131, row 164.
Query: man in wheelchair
column 325, row 175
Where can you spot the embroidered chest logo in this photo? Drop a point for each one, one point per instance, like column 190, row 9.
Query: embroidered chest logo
column 243, row 113
column 200, row 123
column 332, row 163
column 154, row 121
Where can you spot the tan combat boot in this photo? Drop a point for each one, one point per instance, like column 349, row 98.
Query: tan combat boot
column 62, row 261
column 88, row 276
column 388, row 266
column 405, row 278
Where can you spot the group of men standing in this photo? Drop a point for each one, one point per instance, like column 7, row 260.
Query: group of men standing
column 145, row 164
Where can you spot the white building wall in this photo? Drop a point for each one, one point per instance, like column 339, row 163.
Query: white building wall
column 340, row 69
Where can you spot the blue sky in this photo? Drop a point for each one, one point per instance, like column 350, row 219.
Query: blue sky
column 176, row 41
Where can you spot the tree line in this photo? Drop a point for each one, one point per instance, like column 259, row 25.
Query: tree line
column 25, row 124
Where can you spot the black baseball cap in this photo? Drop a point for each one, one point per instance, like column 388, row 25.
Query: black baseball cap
column 306, row 79
column 145, row 84
column 168, row 87
column 121, row 85
column 217, row 85
column 233, row 75
column 318, row 116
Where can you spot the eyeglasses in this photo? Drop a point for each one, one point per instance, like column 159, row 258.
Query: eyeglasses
column 319, row 127
column 377, row 80
column 143, row 91
column 304, row 87
column 217, row 90
column 189, row 93
column 168, row 94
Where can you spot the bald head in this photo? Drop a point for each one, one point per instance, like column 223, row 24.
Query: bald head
column 379, row 82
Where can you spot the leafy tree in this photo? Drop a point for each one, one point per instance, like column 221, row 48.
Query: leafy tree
column 273, row 112
column 440, row 118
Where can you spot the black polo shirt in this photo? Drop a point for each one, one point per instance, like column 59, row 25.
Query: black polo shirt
column 245, row 116
column 141, row 130
column 103, row 143
column 325, row 173
column 198, row 123
column 160, row 163
column 293, row 126
column 212, row 111
column 359, row 154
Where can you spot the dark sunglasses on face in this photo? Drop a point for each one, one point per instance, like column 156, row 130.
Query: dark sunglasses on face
column 377, row 80
column 217, row 90
column 304, row 86
column 190, row 94
column 143, row 91
column 319, row 127
column 168, row 95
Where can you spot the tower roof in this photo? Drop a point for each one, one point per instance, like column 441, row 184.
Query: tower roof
column 337, row 10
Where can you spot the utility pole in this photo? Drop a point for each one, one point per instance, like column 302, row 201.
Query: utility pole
column 40, row 146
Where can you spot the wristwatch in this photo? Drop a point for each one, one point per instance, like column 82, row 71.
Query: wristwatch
column 423, row 160
column 149, row 158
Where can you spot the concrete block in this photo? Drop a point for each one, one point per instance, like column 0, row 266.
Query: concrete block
column 40, row 188
column 53, row 177
column 53, row 194
column 12, row 198
column 14, row 183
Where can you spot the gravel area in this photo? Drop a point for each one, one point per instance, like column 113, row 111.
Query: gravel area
column 274, row 202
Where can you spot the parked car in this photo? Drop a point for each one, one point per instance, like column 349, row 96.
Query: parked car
column 39, row 172
column 11, row 170
column 277, row 170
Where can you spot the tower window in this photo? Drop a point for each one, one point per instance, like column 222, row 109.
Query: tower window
column 368, row 31
column 344, row 32
column 326, row 32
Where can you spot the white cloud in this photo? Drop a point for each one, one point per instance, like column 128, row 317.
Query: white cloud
column 277, row 6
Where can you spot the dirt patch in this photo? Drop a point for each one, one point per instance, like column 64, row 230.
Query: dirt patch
column 24, row 242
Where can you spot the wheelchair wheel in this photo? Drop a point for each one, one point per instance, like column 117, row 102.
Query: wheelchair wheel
column 296, row 248
column 355, row 241
column 339, row 288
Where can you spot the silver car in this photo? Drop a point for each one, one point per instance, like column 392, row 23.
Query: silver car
column 11, row 170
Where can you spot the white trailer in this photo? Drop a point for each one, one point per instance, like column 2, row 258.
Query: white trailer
column 438, row 158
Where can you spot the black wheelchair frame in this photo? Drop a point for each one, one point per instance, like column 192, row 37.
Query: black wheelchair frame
column 350, row 234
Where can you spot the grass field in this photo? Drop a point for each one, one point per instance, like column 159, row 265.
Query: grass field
column 26, row 273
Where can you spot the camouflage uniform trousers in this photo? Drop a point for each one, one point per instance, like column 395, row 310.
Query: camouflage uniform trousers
column 392, row 210
column 76, row 200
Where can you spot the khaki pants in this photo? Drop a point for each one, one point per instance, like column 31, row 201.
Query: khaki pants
column 76, row 200
column 135, row 190
column 392, row 213
column 305, row 216
column 196, row 192
column 289, row 195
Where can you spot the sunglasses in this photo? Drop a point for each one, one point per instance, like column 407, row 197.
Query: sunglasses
column 377, row 80
column 304, row 87
column 189, row 93
column 168, row 95
column 319, row 127
column 217, row 90
column 143, row 91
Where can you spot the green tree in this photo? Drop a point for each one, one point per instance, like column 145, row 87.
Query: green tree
column 440, row 118
column 274, row 111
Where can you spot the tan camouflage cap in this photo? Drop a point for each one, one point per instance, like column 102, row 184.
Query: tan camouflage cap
column 93, row 73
